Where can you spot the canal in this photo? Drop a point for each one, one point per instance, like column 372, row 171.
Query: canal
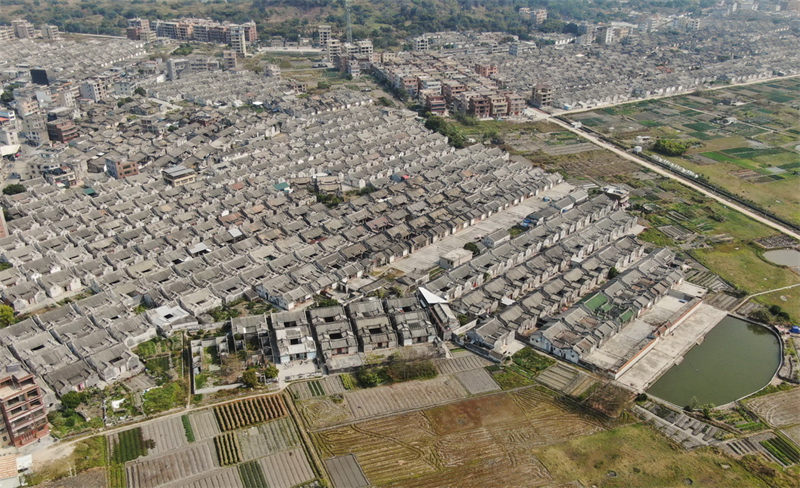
column 735, row 359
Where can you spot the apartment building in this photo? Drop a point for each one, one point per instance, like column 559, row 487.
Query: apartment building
column 23, row 29
column 239, row 40
column 121, row 168
column 63, row 130
column 486, row 70
column 324, row 35
column 22, row 407
column 95, row 89
column 50, row 32
column 542, row 95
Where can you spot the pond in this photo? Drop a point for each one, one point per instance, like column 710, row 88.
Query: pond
column 784, row 257
column 735, row 359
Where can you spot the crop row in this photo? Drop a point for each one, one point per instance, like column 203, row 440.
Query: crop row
column 117, row 477
column 782, row 450
column 231, row 416
column 228, row 450
column 348, row 381
column 187, row 428
column 252, row 475
column 130, row 444
column 316, row 388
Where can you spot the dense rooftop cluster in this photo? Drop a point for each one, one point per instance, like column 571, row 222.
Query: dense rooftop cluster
column 66, row 59
column 650, row 64
column 250, row 225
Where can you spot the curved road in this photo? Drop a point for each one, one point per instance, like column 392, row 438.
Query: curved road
column 663, row 172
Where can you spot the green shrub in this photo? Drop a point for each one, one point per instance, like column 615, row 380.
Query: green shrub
column 187, row 428
column 670, row 147
column 13, row 189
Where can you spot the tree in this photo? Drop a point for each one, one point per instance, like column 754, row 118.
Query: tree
column 7, row 96
column 250, row 378
column 473, row 248
column 670, row 147
column 71, row 400
column 6, row 316
column 270, row 371
column 140, row 91
column 612, row 273
column 13, row 189
column 368, row 377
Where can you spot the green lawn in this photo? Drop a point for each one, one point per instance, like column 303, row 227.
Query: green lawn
column 740, row 265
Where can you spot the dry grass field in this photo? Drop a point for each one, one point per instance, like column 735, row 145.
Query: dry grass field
column 482, row 441
column 637, row 456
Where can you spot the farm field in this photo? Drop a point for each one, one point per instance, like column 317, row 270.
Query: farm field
column 744, row 139
column 437, row 446
column 268, row 438
column 167, row 435
column 477, row 381
column 177, row 465
column 319, row 412
column 636, row 455
column 780, row 410
column 248, row 443
column 204, row 425
column 329, row 385
column 241, row 413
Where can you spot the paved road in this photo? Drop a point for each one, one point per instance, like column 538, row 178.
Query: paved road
column 669, row 174
column 747, row 298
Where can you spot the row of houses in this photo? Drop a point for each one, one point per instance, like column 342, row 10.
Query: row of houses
column 339, row 337
column 588, row 325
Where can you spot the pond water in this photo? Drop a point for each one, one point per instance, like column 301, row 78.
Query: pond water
column 784, row 257
column 735, row 359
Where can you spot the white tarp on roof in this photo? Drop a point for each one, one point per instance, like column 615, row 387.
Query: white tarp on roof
column 430, row 297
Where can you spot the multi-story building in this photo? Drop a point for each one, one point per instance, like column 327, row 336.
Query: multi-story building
column 23, row 29
column 94, row 89
column 6, row 32
column 8, row 136
column 22, row 407
column 421, row 43
column 499, row 105
column 120, row 168
column 480, row 107
column 542, row 95
column 142, row 24
column 333, row 49
column 239, row 40
column 516, row 104
column 324, row 35
column 436, row 104
column 229, row 59
column 359, row 48
column 50, row 32
column 178, row 175
column 539, row 15
column 63, row 130
column 486, row 70
column 34, row 130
